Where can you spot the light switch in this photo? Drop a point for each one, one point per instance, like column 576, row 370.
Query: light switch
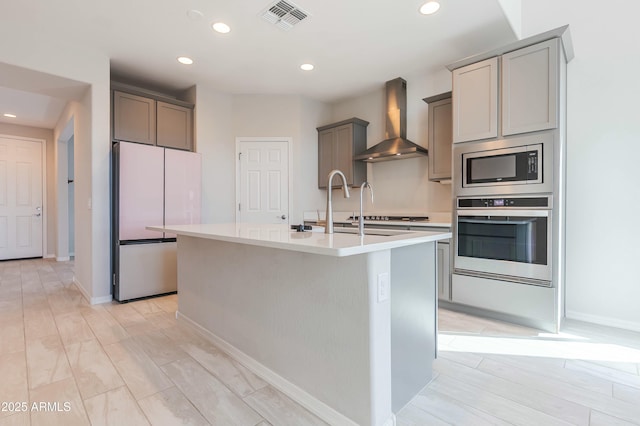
column 383, row 287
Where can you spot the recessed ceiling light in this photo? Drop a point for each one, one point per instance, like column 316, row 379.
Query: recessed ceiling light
column 10, row 115
column 429, row 7
column 221, row 27
column 184, row 60
column 306, row 67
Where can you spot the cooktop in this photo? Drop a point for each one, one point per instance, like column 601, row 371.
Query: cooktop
column 391, row 218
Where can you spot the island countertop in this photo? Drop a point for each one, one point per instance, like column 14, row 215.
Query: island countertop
column 280, row 236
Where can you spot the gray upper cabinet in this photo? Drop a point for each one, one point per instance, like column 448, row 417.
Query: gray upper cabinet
column 174, row 126
column 530, row 88
column 337, row 144
column 526, row 85
column 134, row 118
column 475, row 101
column 440, row 136
column 151, row 119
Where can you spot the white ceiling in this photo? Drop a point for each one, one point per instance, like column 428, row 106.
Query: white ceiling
column 355, row 45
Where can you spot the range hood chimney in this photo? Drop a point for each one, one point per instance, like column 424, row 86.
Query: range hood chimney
column 396, row 146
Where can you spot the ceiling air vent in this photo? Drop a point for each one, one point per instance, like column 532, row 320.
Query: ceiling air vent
column 284, row 14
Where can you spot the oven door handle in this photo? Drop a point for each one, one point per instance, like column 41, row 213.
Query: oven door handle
column 503, row 213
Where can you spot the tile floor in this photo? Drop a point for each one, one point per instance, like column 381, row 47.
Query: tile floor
column 131, row 364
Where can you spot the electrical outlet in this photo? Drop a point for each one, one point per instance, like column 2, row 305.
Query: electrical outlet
column 383, row 287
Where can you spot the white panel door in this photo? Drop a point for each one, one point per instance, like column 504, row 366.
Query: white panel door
column 20, row 198
column 264, row 182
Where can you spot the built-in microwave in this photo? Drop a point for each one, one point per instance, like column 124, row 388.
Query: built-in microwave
column 515, row 165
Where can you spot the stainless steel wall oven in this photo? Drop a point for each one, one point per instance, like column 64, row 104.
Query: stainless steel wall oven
column 505, row 238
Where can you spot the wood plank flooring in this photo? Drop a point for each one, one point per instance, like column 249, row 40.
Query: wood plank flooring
column 132, row 364
column 489, row 372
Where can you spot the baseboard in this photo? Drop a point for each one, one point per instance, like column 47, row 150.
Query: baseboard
column 48, row 256
column 91, row 300
column 606, row 321
column 297, row 394
column 63, row 259
column 101, row 299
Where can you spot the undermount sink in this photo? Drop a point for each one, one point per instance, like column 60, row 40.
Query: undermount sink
column 376, row 232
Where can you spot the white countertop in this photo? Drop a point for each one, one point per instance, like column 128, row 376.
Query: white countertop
column 282, row 237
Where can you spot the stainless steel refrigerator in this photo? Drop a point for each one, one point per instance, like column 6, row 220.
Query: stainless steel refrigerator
column 150, row 186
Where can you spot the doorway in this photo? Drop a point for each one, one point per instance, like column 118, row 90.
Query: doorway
column 65, row 193
column 21, row 197
column 263, row 186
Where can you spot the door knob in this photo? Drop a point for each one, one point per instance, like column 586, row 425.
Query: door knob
column 283, row 217
column 38, row 214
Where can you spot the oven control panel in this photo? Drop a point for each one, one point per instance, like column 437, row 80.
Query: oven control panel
column 500, row 202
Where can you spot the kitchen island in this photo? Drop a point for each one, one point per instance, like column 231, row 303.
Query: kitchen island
column 344, row 325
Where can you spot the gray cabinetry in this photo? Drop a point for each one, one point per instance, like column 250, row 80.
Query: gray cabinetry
column 440, row 136
column 530, row 88
column 152, row 119
column 444, row 271
column 526, row 85
column 444, row 262
column 134, row 118
column 174, row 126
column 337, row 144
column 475, row 101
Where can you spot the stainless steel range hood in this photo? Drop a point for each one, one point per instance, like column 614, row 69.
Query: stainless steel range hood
column 396, row 146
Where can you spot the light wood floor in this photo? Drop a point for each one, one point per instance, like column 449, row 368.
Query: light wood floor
column 132, row 364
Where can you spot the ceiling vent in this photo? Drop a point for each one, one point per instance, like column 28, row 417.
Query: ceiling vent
column 284, row 14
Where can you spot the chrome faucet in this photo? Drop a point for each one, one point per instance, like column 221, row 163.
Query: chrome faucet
column 328, row 229
column 361, row 217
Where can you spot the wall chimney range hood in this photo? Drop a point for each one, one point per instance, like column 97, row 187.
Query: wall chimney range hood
column 396, row 146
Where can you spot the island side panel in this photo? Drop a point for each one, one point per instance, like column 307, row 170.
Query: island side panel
column 311, row 319
column 413, row 320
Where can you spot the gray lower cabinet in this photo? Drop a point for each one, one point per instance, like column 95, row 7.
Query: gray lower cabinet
column 444, row 262
column 444, row 271
column 175, row 128
column 440, row 136
column 337, row 144
column 134, row 118
column 517, row 92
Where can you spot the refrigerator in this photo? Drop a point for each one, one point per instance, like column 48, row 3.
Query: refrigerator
column 150, row 186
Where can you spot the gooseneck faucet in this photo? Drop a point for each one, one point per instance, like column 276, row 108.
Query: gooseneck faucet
column 361, row 217
column 328, row 229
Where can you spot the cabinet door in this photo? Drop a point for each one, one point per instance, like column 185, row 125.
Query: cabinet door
column 134, row 118
column 174, row 126
column 475, row 101
column 444, row 273
column 440, row 137
column 325, row 156
column 343, row 154
column 530, row 88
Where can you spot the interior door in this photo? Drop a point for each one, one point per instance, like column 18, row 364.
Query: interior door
column 21, row 212
column 263, row 182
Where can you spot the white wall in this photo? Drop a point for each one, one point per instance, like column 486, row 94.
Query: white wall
column 286, row 116
column 603, row 146
column 47, row 57
column 400, row 186
column 216, row 142
column 221, row 117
